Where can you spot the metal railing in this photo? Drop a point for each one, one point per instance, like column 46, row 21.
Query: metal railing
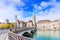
column 21, row 29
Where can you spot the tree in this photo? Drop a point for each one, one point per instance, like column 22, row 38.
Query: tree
column 11, row 25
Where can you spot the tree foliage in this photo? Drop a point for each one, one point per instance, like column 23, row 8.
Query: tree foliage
column 5, row 26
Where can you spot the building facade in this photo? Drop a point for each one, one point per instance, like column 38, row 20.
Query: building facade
column 47, row 25
column 41, row 24
column 30, row 23
column 44, row 24
column 24, row 24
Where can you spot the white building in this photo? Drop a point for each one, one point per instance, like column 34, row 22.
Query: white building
column 30, row 23
column 41, row 24
column 47, row 24
column 44, row 24
column 55, row 24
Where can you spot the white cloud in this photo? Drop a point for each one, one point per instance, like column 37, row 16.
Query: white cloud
column 12, row 2
column 52, row 14
column 7, row 10
column 37, row 7
column 44, row 4
column 27, row 19
column 9, row 13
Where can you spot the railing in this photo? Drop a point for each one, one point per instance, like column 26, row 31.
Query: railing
column 21, row 29
column 13, row 36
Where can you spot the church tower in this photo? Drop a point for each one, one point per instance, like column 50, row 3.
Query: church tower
column 34, row 21
column 15, row 21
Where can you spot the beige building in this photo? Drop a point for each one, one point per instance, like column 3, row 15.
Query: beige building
column 41, row 24
column 30, row 23
column 47, row 24
column 44, row 24
column 55, row 24
column 21, row 23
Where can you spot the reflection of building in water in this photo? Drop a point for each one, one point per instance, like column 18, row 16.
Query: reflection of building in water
column 47, row 24
column 55, row 33
column 49, row 33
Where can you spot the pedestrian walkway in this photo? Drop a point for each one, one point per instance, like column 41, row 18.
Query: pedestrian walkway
column 3, row 34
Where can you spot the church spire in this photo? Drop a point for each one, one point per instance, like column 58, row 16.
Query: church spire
column 34, row 20
column 15, row 21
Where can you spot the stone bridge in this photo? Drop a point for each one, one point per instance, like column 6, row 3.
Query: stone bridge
column 16, row 34
column 20, row 33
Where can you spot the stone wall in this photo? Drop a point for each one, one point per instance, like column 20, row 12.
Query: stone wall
column 13, row 36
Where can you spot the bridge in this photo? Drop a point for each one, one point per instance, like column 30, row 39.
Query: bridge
column 16, row 34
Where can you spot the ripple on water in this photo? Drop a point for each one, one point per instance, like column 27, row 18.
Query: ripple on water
column 48, row 35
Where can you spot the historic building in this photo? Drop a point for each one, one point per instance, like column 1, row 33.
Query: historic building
column 24, row 24
column 44, row 24
column 40, row 25
column 21, row 23
column 30, row 23
column 47, row 24
column 55, row 24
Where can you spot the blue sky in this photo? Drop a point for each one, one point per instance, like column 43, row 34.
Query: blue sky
column 43, row 9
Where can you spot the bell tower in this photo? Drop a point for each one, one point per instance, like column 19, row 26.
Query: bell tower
column 15, row 21
column 34, row 21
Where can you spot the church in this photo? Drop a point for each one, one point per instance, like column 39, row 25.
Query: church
column 23, row 24
column 40, row 25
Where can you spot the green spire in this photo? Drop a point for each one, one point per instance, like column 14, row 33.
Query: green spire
column 15, row 21
column 35, row 25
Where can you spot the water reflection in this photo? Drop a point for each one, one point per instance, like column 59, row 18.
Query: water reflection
column 47, row 35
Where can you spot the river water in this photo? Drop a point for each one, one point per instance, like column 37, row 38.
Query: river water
column 47, row 35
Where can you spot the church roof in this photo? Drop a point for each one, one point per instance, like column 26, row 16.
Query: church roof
column 30, row 21
column 56, row 21
column 44, row 21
